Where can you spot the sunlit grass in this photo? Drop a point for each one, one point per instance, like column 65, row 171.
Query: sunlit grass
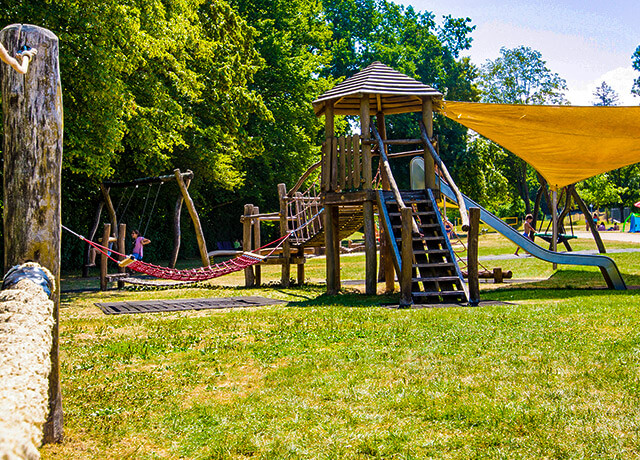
column 553, row 372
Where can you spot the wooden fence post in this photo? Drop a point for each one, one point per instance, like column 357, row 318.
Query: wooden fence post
column 249, row 279
column 122, row 249
column 406, row 269
column 284, row 228
column 472, row 256
column 104, row 262
column 256, row 244
column 33, row 125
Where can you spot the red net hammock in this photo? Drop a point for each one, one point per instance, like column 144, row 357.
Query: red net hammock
column 241, row 262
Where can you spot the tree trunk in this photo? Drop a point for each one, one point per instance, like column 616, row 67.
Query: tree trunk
column 32, row 119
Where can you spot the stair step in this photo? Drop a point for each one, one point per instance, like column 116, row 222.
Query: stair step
column 408, row 201
column 421, row 226
column 419, row 213
column 435, row 278
column 437, row 294
column 434, row 265
column 431, row 251
column 424, row 238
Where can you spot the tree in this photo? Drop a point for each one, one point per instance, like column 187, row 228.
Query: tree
column 520, row 76
column 636, row 65
column 605, row 95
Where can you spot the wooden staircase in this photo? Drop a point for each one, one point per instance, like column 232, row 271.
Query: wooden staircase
column 436, row 277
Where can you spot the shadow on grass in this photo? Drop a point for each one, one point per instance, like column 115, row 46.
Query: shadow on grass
column 563, row 284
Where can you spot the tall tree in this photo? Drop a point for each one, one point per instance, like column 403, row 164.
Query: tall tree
column 605, row 95
column 520, row 76
column 636, row 65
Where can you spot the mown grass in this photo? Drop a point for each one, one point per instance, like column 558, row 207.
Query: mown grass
column 551, row 373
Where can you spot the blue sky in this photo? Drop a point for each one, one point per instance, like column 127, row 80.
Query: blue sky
column 585, row 42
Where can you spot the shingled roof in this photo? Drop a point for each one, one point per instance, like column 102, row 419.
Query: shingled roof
column 389, row 92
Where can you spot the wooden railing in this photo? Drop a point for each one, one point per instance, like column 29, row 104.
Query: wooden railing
column 343, row 170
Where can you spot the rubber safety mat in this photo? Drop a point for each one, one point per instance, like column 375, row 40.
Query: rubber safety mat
column 152, row 306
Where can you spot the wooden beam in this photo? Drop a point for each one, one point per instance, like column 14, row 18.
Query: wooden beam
column 104, row 261
column 177, row 231
column 256, row 244
column 122, row 234
column 406, row 299
column 32, row 154
column 429, row 163
column 554, row 223
column 202, row 245
column 147, row 180
column 370, row 246
column 284, row 229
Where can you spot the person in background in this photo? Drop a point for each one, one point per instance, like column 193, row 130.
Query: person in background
column 138, row 244
column 25, row 57
column 528, row 230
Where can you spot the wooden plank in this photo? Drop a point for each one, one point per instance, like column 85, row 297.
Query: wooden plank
column 429, row 162
column 329, row 244
column 343, row 163
column 257, row 271
column 365, row 129
column 357, row 162
column 329, row 131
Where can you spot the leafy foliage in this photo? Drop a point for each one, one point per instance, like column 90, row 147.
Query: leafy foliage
column 605, row 95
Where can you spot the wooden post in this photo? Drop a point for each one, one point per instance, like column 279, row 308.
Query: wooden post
column 472, row 256
column 177, row 231
column 327, row 151
column 284, row 229
column 256, row 244
column 370, row 246
column 104, row 261
column 590, row 223
column 554, row 223
column 122, row 233
column 429, row 163
column 249, row 279
column 386, row 258
column 406, row 270
column 110, row 209
column 91, row 236
column 202, row 245
column 32, row 151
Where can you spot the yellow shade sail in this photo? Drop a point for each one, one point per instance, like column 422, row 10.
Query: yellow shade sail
column 565, row 144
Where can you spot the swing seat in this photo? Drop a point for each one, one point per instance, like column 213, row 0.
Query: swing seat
column 548, row 237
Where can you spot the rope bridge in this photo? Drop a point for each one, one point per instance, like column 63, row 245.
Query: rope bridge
column 236, row 264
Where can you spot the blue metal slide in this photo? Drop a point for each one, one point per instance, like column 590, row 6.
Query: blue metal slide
column 607, row 266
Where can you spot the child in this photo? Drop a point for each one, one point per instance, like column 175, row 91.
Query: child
column 138, row 243
column 529, row 231
column 25, row 57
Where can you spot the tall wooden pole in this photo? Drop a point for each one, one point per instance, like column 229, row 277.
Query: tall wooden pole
column 406, row 269
column 429, row 163
column 284, row 229
column 33, row 125
column 249, row 279
column 202, row 245
column 386, row 258
column 330, row 212
column 177, row 231
column 371, row 262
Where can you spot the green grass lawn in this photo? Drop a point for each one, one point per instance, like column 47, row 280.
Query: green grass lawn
column 552, row 373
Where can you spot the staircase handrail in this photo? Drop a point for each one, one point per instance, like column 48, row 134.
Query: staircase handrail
column 464, row 216
column 386, row 167
column 304, row 177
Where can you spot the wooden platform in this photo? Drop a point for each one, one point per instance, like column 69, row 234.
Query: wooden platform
column 155, row 306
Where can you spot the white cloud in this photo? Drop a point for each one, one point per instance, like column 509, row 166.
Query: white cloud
column 620, row 79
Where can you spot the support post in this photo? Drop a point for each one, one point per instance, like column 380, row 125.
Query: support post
column 257, row 270
column 177, row 231
column 32, row 151
column 370, row 246
column 91, row 236
column 592, row 226
column 472, row 256
column 429, row 163
column 386, row 258
column 406, row 270
column 110, row 209
column 284, row 229
column 202, row 245
column 554, row 221
column 249, row 279
column 122, row 233
column 104, row 261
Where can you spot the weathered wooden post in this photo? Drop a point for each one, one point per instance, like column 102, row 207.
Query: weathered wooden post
column 472, row 256
column 370, row 246
column 177, row 231
column 104, row 261
column 406, row 269
column 255, row 222
column 429, row 162
column 554, row 223
column 122, row 249
column 330, row 211
column 249, row 279
column 386, row 258
column 202, row 245
column 284, row 228
column 33, row 125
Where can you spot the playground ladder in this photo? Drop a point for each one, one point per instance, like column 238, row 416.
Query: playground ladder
column 436, row 276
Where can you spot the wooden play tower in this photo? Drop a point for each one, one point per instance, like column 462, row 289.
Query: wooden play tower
column 413, row 240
